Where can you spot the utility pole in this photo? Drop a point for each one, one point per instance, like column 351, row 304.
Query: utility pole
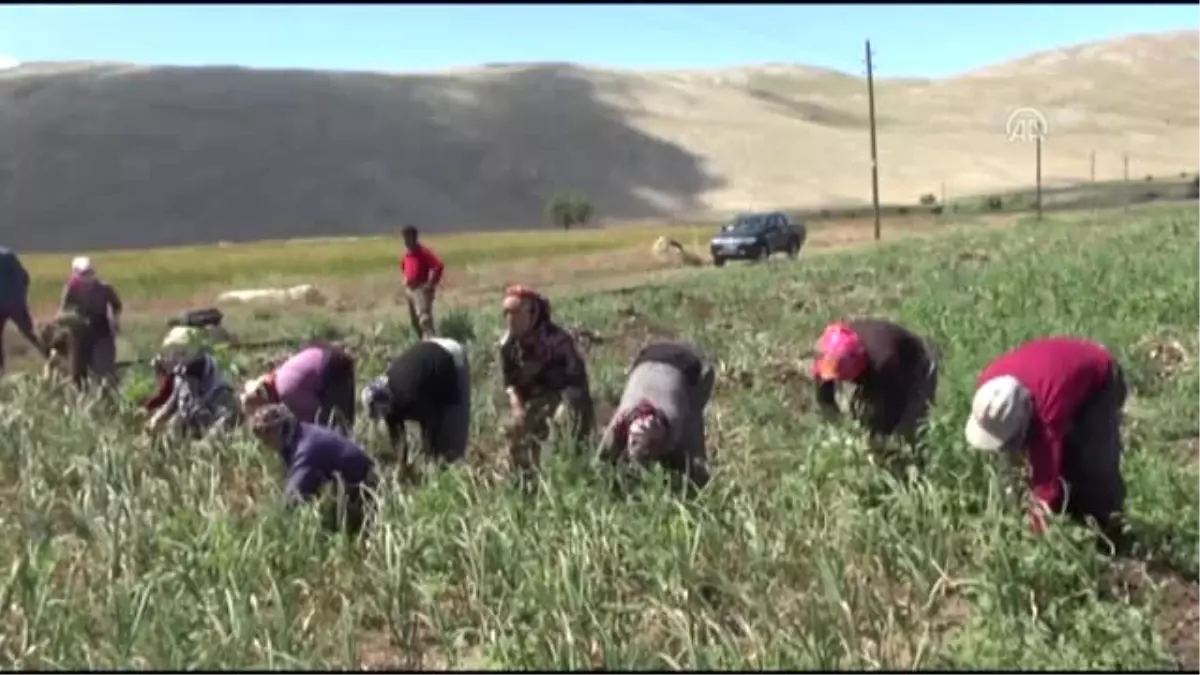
column 1125, row 187
column 1095, row 206
column 874, row 153
column 1039, row 175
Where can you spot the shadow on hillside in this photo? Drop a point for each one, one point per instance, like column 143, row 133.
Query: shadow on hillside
column 113, row 157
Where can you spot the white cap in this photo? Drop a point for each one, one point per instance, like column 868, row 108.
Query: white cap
column 999, row 412
column 81, row 265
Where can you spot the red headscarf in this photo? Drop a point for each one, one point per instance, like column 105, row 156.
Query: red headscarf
column 526, row 294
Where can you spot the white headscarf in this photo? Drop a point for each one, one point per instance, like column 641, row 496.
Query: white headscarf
column 82, row 265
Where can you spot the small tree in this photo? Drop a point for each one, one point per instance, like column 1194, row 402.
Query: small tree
column 928, row 199
column 565, row 209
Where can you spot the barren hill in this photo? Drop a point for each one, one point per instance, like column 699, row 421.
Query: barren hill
column 116, row 155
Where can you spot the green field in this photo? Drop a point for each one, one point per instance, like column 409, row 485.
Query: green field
column 180, row 272
column 804, row 553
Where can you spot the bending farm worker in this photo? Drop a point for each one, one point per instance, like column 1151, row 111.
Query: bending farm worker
column 894, row 373
column 67, row 339
column 86, row 296
column 163, row 364
column 316, row 384
column 1057, row 401
column 14, row 301
column 660, row 418
column 180, row 343
column 201, row 402
column 430, row 384
column 316, row 457
column 543, row 375
column 422, row 273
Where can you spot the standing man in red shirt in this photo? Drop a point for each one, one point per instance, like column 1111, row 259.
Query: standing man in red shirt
column 422, row 273
column 1060, row 400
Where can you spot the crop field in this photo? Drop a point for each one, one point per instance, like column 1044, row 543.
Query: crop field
column 168, row 276
column 805, row 552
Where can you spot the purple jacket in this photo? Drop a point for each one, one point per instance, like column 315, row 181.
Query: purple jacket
column 299, row 379
column 316, row 456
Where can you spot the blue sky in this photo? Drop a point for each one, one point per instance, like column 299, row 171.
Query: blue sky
column 909, row 40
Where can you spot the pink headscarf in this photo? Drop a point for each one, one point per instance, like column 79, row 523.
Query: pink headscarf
column 841, row 355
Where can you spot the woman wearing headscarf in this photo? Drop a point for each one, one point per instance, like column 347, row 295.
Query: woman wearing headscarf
column 89, row 298
column 316, row 384
column 316, row 457
column 430, row 384
column 893, row 370
column 544, row 376
column 660, row 418
column 201, row 401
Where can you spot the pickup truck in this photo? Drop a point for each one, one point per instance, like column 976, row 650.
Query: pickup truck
column 755, row 236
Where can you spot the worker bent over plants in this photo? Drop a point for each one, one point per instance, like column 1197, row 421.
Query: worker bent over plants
column 544, row 377
column 317, row 458
column 1057, row 402
column 316, row 384
column 660, row 418
column 430, row 384
column 894, row 373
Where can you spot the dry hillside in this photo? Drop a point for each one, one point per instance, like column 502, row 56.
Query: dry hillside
column 103, row 155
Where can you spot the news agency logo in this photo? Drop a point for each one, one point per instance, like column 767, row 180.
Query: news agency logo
column 1026, row 125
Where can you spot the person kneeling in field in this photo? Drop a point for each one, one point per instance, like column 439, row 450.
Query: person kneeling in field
column 316, row 384
column 544, row 376
column 430, row 384
column 660, row 418
column 1059, row 399
column 894, row 371
column 201, row 403
column 315, row 457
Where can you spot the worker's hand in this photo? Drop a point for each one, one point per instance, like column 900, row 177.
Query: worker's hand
column 1038, row 512
column 515, row 426
column 115, row 322
column 152, row 425
column 561, row 413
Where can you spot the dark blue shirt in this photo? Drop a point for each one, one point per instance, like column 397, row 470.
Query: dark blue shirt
column 14, row 280
column 316, row 455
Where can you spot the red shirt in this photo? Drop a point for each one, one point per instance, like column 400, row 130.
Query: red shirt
column 421, row 266
column 1060, row 374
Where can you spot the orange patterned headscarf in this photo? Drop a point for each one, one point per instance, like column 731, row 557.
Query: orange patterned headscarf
column 518, row 293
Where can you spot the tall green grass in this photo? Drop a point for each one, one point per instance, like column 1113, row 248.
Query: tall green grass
column 805, row 553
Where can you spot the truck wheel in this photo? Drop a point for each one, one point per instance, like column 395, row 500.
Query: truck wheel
column 718, row 262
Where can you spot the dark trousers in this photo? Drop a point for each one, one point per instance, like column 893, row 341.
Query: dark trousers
column 1092, row 458
column 337, row 395
column 19, row 315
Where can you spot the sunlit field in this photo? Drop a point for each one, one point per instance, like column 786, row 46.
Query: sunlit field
column 805, row 552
